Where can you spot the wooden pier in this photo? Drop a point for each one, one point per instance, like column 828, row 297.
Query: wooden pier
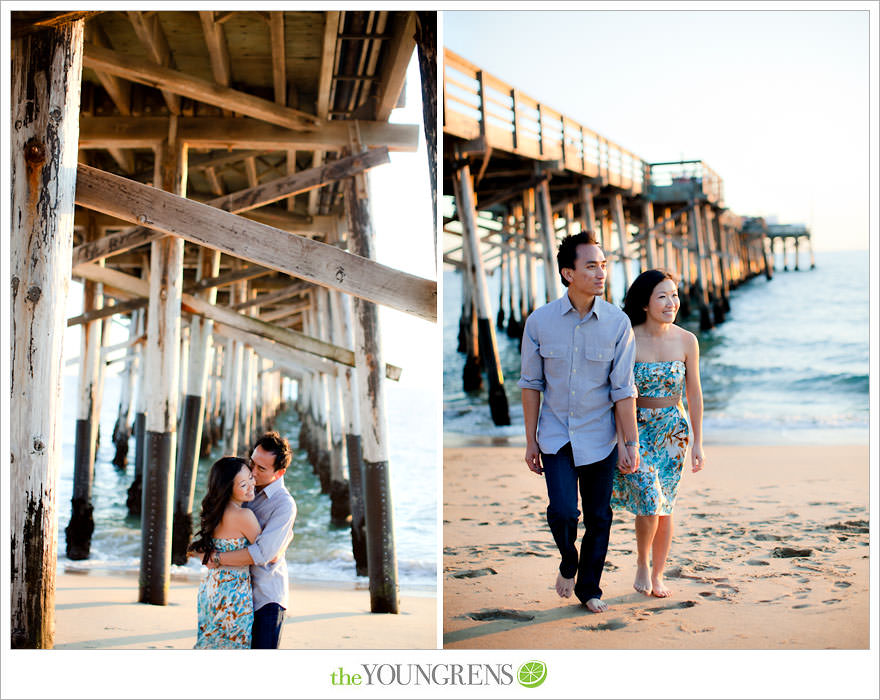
column 203, row 174
column 523, row 174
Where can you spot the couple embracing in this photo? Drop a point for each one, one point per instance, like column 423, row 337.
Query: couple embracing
column 246, row 525
column 611, row 425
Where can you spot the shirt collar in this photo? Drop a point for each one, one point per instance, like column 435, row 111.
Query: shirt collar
column 566, row 306
column 273, row 488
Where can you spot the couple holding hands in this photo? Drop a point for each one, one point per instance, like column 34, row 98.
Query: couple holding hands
column 612, row 425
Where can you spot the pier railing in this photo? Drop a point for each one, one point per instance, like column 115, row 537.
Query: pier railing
column 476, row 104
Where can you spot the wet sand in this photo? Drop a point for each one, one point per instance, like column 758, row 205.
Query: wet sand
column 770, row 551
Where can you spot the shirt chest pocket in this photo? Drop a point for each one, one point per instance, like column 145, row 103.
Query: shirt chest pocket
column 599, row 353
column 553, row 354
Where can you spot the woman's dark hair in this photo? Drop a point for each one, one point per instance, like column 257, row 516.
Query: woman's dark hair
column 217, row 494
column 639, row 294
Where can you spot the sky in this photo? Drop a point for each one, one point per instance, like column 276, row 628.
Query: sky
column 776, row 102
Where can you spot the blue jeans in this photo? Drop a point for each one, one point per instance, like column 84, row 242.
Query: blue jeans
column 595, row 480
column 266, row 632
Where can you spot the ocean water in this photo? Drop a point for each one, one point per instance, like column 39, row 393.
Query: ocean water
column 789, row 365
column 319, row 552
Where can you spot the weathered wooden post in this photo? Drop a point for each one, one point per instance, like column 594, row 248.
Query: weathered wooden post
column 45, row 90
column 502, row 270
column 696, row 235
column 623, row 238
column 163, row 356
column 528, row 207
column 548, row 240
column 712, row 258
column 232, row 386
column 79, row 530
column 340, row 499
column 588, row 210
column 608, row 249
column 192, row 415
column 812, row 256
column 650, row 241
column 468, row 332
column 370, row 370
column 426, row 41
column 488, row 344
column 343, row 335
column 134, row 500
column 122, row 427
column 797, row 253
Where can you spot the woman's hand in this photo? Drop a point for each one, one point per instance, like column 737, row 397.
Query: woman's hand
column 697, row 459
column 624, row 457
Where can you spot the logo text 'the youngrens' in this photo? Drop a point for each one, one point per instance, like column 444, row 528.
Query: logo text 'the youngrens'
column 425, row 674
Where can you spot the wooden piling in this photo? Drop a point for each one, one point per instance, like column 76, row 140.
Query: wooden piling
column 650, row 241
column 122, row 427
column 548, row 241
column 45, row 90
column 528, row 213
column 134, row 499
column 343, row 334
column 163, row 339
column 192, row 414
column 702, row 291
column 616, row 203
column 705, row 218
column 498, row 405
column 78, row 532
column 340, row 499
column 371, row 399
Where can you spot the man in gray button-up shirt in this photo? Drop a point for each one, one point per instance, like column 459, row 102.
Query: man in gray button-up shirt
column 276, row 511
column 579, row 351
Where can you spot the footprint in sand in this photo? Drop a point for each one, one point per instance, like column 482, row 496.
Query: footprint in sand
column 678, row 605
column 842, row 584
column 790, row 552
column 500, row 614
column 603, row 626
column 473, row 573
column 802, row 605
column 831, row 601
column 757, row 562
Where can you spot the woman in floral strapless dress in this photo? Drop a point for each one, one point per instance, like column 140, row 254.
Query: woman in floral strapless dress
column 667, row 360
column 225, row 598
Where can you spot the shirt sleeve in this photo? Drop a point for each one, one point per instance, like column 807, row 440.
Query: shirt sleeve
column 622, row 383
column 277, row 534
column 532, row 368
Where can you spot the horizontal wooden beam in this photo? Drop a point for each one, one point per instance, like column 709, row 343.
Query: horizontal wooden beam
column 241, row 133
column 247, row 273
column 294, row 289
column 194, row 305
column 240, row 201
column 303, row 181
column 300, row 257
column 140, row 71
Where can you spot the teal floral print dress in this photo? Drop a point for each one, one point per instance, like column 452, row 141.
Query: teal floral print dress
column 225, row 603
column 663, row 440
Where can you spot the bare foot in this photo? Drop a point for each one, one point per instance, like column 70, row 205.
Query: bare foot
column 596, row 605
column 643, row 580
column 659, row 588
column 564, row 586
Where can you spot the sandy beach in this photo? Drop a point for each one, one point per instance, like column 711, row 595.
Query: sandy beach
column 770, row 552
column 100, row 611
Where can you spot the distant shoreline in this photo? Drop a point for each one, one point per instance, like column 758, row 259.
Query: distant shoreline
column 819, row 437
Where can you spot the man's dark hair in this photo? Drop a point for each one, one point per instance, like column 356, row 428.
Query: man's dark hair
column 278, row 446
column 568, row 250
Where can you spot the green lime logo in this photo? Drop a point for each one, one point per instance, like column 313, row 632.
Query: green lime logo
column 531, row 674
